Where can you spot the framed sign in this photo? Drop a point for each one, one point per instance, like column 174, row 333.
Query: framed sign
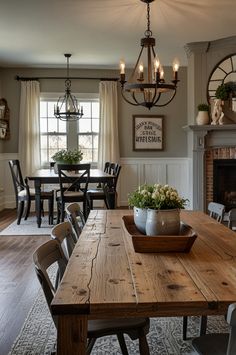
column 147, row 132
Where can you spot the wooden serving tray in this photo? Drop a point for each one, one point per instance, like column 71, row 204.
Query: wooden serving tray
column 162, row 243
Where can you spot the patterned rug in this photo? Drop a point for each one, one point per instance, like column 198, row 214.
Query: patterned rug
column 38, row 335
column 28, row 227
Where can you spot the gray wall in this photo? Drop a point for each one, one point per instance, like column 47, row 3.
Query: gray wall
column 175, row 114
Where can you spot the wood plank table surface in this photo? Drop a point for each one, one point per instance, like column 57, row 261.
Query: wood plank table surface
column 48, row 176
column 106, row 278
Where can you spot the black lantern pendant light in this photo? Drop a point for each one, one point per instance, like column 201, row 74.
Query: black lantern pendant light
column 67, row 107
column 146, row 84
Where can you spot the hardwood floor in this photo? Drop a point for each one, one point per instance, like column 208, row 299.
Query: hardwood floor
column 18, row 282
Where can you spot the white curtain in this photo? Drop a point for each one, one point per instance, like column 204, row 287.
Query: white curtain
column 108, row 137
column 29, row 138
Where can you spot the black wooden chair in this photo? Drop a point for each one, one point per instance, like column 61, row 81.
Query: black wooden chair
column 73, row 181
column 24, row 194
column 107, row 191
column 51, row 253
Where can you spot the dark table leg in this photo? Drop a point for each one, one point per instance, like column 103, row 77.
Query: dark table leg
column 37, row 185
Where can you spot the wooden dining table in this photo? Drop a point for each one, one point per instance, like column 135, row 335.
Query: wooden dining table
column 48, row 176
column 106, row 278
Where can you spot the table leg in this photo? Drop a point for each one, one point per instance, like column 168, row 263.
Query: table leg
column 37, row 185
column 72, row 334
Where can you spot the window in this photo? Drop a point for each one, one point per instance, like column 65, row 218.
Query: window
column 88, row 129
column 56, row 134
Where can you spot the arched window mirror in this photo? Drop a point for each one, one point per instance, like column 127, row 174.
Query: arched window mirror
column 224, row 72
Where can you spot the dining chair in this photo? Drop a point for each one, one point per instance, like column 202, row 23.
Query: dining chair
column 216, row 211
column 24, row 194
column 97, row 193
column 107, row 192
column 73, row 181
column 219, row 343
column 231, row 218
column 75, row 217
column 64, row 234
column 51, row 253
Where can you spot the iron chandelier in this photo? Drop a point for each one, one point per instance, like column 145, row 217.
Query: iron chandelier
column 67, row 107
column 146, row 84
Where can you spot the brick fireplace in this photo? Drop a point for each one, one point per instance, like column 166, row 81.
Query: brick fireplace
column 220, row 176
column 207, row 144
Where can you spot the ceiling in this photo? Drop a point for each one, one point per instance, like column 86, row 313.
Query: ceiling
column 98, row 33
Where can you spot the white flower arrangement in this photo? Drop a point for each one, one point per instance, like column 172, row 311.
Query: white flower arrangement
column 156, row 196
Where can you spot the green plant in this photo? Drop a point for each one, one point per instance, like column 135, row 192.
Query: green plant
column 156, row 196
column 68, row 156
column 203, row 107
column 222, row 92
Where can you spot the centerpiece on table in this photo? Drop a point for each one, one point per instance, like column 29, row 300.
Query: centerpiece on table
column 156, row 209
column 67, row 157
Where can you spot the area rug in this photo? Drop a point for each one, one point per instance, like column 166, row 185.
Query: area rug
column 38, row 335
column 28, row 227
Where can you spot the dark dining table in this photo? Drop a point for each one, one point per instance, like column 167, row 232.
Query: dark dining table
column 48, row 176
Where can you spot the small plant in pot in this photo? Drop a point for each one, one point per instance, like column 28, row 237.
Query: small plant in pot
column 156, row 209
column 203, row 114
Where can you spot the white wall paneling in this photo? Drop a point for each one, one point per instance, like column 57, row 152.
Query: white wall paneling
column 172, row 171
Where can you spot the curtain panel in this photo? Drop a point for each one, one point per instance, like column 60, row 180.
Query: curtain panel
column 29, row 129
column 108, row 137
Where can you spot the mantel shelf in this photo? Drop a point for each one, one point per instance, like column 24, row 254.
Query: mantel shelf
column 225, row 127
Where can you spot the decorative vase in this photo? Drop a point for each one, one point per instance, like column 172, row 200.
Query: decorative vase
column 202, row 118
column 140, row 217
column 163, row 222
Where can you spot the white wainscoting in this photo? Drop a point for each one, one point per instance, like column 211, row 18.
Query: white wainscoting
column 134, row 172
column 137, row 171
column 7, row 195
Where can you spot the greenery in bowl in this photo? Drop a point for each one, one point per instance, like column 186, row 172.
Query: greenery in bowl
column 203, row 107
column 68, row 156
column 157, row 196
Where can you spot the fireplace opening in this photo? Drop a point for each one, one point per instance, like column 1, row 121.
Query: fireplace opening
column 224, row 182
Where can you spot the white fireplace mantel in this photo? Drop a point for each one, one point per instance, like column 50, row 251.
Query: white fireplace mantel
column 201, row 138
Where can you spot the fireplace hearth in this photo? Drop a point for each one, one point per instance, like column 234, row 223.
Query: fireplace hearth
column 224, row 182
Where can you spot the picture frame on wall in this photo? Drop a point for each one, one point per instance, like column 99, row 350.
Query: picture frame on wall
column 147, row 132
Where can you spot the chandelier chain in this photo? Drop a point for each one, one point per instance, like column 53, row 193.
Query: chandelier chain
column 148, row 32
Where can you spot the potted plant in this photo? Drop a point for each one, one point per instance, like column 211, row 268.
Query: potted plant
column 64, row 156
column 222, row 92
column 203, row 114
column 156, row 209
